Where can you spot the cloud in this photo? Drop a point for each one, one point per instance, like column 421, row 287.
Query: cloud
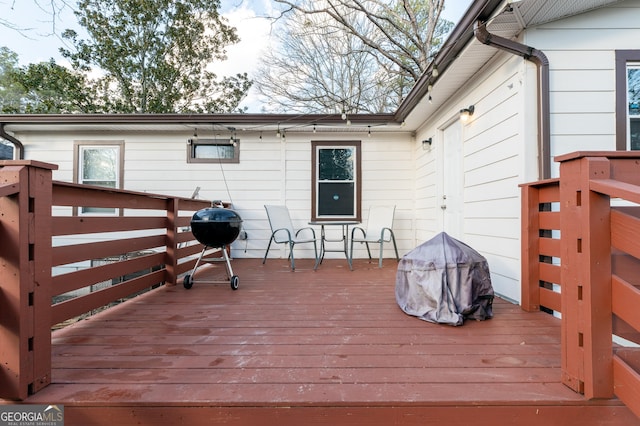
column 253, row 28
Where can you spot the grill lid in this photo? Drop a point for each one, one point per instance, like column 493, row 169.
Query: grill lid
column 216, row 226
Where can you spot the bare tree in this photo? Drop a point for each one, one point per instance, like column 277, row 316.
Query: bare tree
column 52, row 8
column 395, row 38
column 319, row 67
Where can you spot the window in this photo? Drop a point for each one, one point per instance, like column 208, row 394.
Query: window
column 213, row 151
column 336, row 188
column 628, row 100
column 633, row 102
column 99, row 163
column 6, row 151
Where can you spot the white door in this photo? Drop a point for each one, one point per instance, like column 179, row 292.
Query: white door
column 452, row 205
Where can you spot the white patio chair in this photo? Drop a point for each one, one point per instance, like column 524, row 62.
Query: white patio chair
column 283, row 232
column 379, row 229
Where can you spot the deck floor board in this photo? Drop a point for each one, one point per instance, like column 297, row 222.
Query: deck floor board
column 332, row 338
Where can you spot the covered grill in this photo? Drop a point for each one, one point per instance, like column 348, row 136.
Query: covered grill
column 444, row 281
column 215, row 227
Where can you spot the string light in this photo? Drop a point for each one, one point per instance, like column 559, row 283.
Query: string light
column 232, row 139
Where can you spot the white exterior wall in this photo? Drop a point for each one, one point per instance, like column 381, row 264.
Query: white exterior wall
column 499, row 149
column 271, row 171
column 581, row 52
column 500, row 142
column 494, row 163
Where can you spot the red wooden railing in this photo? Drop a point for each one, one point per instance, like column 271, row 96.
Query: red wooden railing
column 581, row 258
column 150, row 242
column 540, row 246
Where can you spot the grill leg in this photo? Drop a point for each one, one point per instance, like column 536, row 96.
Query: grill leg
column 193, row 272
column 226, row 259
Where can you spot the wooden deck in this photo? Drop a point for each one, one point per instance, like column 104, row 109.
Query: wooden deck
column 311, row 348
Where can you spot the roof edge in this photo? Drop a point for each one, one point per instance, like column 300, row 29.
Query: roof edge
column 459, row 38
column 226, row 119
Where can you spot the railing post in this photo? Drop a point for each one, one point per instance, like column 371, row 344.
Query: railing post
column 586, row 278
column 25, row 278
column 171, row 261
column 529, row 240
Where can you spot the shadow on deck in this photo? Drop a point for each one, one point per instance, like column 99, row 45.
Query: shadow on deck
column 305, row 347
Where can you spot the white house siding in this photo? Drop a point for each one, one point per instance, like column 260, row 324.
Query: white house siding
column 271, row 171
column 388, row 178
column 499, row 143
column 494, row 165
column 581, row 52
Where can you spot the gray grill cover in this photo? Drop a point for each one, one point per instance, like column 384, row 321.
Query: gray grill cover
column 444, row 281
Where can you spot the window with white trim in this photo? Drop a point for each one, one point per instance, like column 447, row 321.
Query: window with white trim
column 100, row 164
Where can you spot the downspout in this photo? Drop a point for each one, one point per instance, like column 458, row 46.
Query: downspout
column 14, row 141
column 544, row 109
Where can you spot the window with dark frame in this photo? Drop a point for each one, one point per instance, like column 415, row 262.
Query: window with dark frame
column 213, row 151
column 633, row 102
column 336, row 187
column 627, row 100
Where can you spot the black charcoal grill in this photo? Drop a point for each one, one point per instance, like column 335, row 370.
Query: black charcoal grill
column 215, row 227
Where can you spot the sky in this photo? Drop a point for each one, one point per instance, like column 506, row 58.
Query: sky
column 36, row 41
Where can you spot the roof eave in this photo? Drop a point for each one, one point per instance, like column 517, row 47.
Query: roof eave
column 459, row 38
column 226, row 119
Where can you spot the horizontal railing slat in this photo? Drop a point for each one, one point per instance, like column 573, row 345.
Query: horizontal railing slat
column 616, row 189
column 549, row 191
column 549, row 272
column 549, row 247
column 625, row 300
column 9, row 189
column 75, row 195
column 71, row 308
column 183, row 222
column 626, row 379
column 75, row 225
column 79, row 252
column 189, row 250
column 550, row 299
column 625, row 232
column 549, row 220
column 184, row 237
column 85, row 277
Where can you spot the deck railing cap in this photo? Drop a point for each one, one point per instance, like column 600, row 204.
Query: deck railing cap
column 608, row 154
column 32, row 163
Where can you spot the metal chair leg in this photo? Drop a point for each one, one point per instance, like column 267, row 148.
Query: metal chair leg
column 267, row 252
